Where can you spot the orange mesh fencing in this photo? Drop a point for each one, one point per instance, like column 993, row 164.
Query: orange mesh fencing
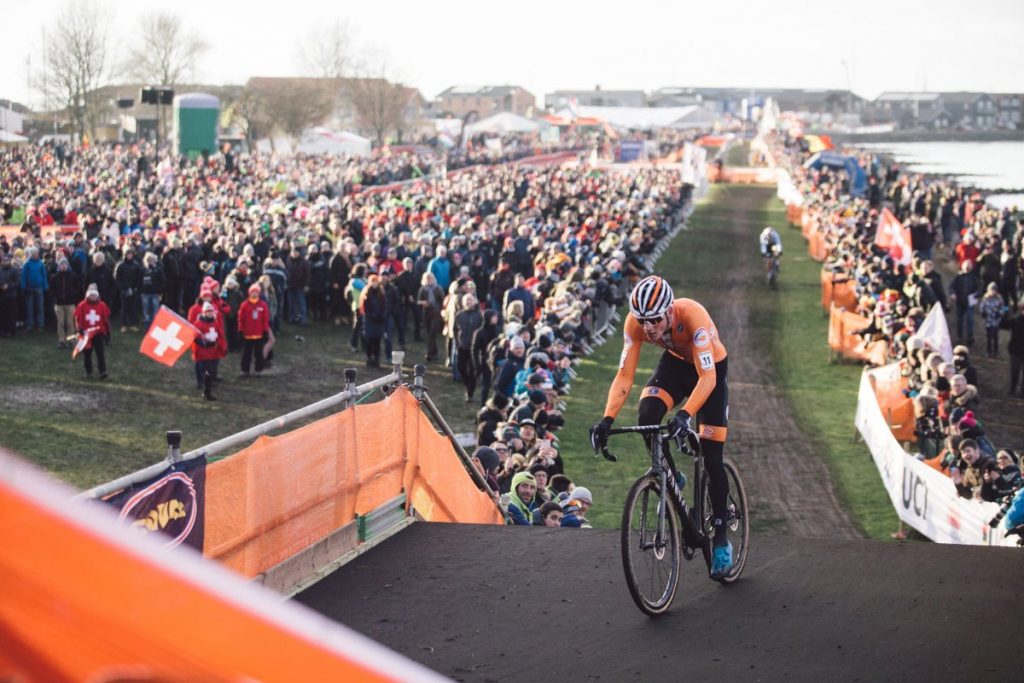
column 85, row 601
column 284, row 493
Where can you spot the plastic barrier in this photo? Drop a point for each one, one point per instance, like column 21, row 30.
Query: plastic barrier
column 86, row 599
column 923, row 498
column 47, row 232
column 284, row 493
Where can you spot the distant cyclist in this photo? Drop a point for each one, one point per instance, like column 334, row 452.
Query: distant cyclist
column 771, row 249
column 693, row 365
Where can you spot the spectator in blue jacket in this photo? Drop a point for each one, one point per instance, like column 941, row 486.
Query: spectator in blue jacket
column 519, row 292
column 34, row 283
column 441, row 267
column 505, row 383
column 522, row 499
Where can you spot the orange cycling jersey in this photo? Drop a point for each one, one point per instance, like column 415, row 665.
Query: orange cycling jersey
column 692, row 337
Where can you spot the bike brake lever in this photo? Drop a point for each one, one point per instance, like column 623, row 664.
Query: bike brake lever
column 607, row 454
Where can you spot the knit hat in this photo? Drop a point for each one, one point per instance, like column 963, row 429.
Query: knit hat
column 522, row 478
column 581, row 493
column 255, row 289
column 537, row 396
column 968, row 421
column 207, row 307
column 92, row 289
column 488, row 457
column 205, row 292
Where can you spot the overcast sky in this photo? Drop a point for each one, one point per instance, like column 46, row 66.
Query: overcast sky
column 869, row 45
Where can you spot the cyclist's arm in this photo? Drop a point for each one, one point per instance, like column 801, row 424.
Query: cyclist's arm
column 706, row 381
column 623, row 382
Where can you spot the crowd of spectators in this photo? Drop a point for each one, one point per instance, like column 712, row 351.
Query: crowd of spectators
column 984, row 245
column 508, row 273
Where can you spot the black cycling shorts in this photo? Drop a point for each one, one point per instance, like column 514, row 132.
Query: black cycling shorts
column 674, row 379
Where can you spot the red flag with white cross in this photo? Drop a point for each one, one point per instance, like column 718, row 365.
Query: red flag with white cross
column 168, row 337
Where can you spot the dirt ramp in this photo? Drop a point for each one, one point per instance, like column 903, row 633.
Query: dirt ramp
column 483, row 603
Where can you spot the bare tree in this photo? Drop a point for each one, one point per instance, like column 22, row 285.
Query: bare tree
column 164, row 52
column 326, row 51
column 379, row 103
column 288, row 105
column 76, row 61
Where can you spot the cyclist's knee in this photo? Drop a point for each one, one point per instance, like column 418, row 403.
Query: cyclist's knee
column 652, row 410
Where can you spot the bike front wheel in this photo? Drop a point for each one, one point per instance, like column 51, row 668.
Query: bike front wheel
column 651, row 560
column 737, row 519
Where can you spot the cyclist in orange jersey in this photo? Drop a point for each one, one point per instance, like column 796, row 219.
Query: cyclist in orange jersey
column 693, row 366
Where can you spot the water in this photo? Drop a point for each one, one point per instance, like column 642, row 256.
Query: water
column 985, row 165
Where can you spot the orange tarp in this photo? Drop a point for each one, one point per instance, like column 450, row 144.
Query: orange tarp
column 841, row 294
column 284, row 493
column 85, row 599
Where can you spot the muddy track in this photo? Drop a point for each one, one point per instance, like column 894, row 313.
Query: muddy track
column 788, row 485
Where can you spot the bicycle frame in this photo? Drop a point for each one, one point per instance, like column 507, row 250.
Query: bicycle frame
column 662, row 466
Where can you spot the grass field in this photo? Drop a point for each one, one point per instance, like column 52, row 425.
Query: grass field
column 822, row 394
column 87, row 431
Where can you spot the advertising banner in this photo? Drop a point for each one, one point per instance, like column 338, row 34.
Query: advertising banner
column 924, row 498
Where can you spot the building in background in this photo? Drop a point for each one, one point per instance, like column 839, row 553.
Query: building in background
column 597, row 97
column 459, row 100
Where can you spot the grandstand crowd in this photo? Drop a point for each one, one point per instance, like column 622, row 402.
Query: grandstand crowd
column 983, row 245
column 508, row 272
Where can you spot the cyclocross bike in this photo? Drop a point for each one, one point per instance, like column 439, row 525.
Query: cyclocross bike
column 774, row 262
column 658, row 527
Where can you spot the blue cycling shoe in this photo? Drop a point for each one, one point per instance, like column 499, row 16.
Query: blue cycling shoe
column 721, row 561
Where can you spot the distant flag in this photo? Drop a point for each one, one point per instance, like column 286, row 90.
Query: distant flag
column 168, row 338
column 894, row 237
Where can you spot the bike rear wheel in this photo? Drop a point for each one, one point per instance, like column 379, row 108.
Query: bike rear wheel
column 651, row 568
column 737, row 519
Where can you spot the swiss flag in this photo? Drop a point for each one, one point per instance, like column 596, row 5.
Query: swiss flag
column 168, row 337
column 894, row 237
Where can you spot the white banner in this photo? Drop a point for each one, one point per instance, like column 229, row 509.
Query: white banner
column 935, row 333
column 924, row 498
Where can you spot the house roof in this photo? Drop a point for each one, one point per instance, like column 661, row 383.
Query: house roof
column 908, row 97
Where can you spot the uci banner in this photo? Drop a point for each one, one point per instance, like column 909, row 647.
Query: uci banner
column 924, row 498
column 171, row 503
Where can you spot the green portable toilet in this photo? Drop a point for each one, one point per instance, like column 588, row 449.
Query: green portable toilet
column 196, row 116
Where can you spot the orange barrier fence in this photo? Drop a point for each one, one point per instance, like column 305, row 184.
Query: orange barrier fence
column 47, row 232
column 840, row 299
column 841, row 325
column 741, row 174
column 284, row 493
column 897, row 409
column 86, row 599
column 834, row 293
column 794, row 214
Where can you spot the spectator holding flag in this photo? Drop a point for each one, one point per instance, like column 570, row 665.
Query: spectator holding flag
column 209, row 347
column 92, row 318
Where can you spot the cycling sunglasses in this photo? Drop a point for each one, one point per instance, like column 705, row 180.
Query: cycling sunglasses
column 651, row 321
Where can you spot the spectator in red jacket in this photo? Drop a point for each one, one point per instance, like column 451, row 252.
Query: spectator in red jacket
column 92, row 318
column 209, row 347
column 253, row 324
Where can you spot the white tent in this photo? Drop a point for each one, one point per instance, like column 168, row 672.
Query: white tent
column 504, row 122
column 9, row 138
column 324, row 141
